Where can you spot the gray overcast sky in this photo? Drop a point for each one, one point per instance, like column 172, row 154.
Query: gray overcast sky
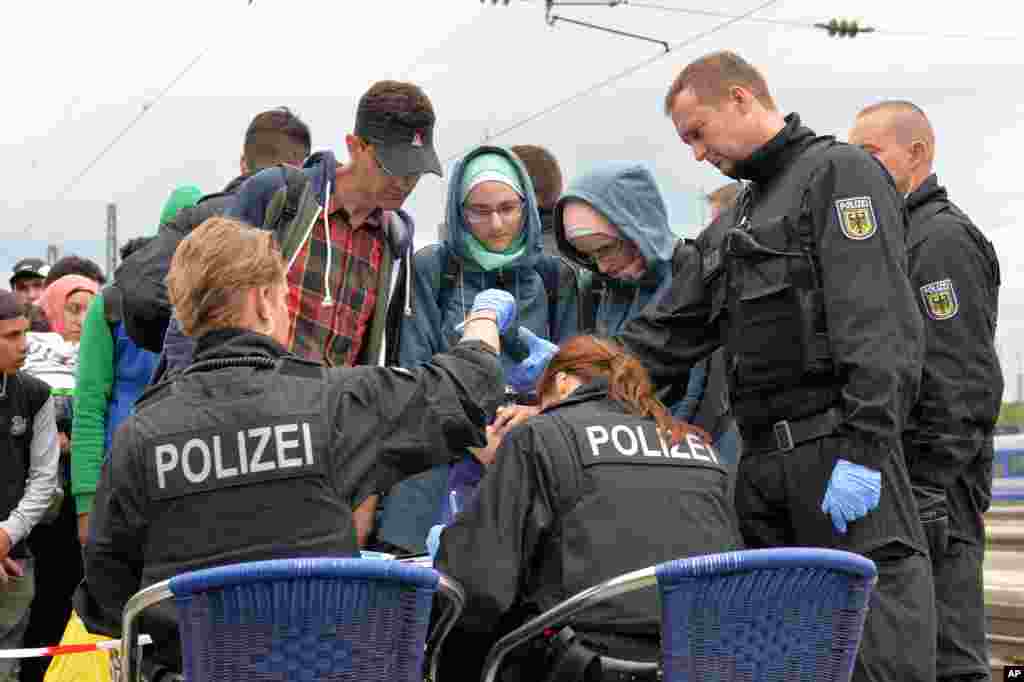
column 78, row 72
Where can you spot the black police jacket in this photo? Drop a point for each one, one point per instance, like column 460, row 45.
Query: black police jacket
column 253, row 454
column 955, row 272
column 579, row 494
column 818, row 313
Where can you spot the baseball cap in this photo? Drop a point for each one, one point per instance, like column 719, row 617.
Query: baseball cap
column 29, row 267
column 404, row 141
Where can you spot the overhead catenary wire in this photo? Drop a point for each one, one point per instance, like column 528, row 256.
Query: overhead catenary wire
column 146, row 108
column 810, row 24
column 629, row 71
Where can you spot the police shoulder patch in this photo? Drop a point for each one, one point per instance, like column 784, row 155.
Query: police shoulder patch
column 940, row 299
column 856, row 217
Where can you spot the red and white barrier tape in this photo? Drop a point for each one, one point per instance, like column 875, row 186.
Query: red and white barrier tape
column 64, row 649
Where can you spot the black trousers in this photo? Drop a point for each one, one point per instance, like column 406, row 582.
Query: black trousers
column 58, row 562
column 778, row 500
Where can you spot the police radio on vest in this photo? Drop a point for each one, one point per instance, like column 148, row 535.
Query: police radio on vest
column 245, row 453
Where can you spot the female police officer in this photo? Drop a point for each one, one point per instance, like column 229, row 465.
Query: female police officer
column 251, row 453
column 603, row 481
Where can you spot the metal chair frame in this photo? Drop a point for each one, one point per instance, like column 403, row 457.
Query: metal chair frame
column 455, row 600
column 615, row 587
column 643, row 579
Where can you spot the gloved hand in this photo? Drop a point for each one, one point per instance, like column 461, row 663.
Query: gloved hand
column 523, row 377
column 853, row 491
column 434, row 540
column 502, row 303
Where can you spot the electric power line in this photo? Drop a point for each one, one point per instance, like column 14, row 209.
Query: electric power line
column 811, row 25
column 620, row 75
column 146, row 108
column 131, row 124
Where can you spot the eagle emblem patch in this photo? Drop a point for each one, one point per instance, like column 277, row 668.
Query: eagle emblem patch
column 857, row 217
column 940, row 299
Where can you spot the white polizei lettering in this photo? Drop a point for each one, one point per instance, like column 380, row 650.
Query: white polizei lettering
column 648, row 452
column 633, row 445
column 308, row 441
column 698, row 446
column 678, row 453
column 243, row 454
column 663, row 443
column 186, row 467
column 597, row 435
column 283, row 461
column 166, row 460
column 219, row 470
column 257, row 465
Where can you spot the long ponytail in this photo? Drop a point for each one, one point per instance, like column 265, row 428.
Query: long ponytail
column 590, row 357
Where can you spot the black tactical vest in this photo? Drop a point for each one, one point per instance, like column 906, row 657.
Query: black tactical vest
column 24, row 398
column 637, row 501
column 761, row 270
column 241, row 479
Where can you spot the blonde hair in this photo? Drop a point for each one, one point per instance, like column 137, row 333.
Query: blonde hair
column 214, row 267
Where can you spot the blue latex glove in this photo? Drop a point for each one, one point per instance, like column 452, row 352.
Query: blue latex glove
column 434, row 540
column 523, row 377
column 853, row 491
column 502, row 303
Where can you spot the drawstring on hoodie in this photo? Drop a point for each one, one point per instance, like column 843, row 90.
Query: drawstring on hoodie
column 3, row 389
column 408, row 280
column 329, row 244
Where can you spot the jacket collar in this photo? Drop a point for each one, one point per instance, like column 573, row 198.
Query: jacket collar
column 929, row 191
column 596, row 389
column 769, row 159
column 233, row 342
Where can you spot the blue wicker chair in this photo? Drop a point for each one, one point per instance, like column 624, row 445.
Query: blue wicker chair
column 303, row 620
column 767, row 615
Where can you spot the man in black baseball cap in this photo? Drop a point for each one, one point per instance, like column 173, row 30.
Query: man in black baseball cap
column 27, row 281
column 402, row 136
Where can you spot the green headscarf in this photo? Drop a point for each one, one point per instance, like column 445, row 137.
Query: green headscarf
column 492, row 167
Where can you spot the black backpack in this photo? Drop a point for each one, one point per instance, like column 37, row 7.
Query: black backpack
column 138, row 295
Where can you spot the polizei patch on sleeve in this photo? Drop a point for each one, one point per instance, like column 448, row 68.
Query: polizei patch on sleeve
column 857, row 217
column 940, row 299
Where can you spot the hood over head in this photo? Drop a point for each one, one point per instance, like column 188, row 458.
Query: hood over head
column 626, row 193
column 458, row 228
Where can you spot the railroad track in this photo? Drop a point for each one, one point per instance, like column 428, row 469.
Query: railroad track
column 1004, row 585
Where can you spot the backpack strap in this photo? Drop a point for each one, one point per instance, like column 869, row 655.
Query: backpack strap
column 450, row 272
column 282, row 213
column 113, row 307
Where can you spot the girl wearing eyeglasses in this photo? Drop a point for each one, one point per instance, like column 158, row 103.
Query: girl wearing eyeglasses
column 493, row 240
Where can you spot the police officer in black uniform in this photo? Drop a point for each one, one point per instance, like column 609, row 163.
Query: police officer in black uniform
column 948, row 440
column 583, row 492
column 804, row 283
column 252, row 453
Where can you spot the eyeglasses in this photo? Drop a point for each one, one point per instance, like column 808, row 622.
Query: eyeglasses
column 608, row 251
column 481, row 214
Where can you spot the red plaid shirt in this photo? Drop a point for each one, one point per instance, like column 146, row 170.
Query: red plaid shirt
column 334, row 333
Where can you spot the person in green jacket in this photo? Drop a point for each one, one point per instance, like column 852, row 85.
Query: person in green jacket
column 112, row 373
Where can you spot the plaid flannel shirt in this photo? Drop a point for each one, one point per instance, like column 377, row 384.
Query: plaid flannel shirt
column 335, row 333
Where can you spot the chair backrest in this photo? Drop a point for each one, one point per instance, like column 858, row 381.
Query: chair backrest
column 789, row 614
column 301, row 619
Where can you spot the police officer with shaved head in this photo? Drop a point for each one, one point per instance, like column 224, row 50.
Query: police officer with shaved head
column 252, row 453
column 948, row 440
